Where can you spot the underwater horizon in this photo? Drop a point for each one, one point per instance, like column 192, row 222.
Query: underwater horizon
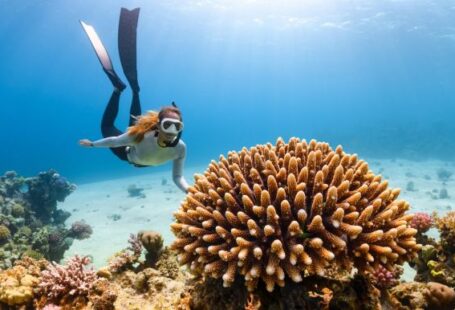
column 375, row 77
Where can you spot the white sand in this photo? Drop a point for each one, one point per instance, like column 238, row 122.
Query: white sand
column 96, row 202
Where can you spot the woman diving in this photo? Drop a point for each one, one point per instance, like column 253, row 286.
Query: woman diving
column 151, row 139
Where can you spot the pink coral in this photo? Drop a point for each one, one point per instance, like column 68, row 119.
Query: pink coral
column 58, row 281
column 135, row 245
column 421, row 221
column 384, row 278
column 126, row 257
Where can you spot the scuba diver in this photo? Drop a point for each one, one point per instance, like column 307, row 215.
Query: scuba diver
column 151, row 139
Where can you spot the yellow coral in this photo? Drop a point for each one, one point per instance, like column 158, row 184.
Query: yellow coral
column 288, row 210
column 446, row 227
column 5, row 233
column 16, row 286
column 17, row 210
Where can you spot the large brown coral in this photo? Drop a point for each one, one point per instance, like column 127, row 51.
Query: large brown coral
column 291, row 209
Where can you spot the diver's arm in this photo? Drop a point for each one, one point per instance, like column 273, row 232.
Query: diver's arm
column 177, row 169
column 115, row 141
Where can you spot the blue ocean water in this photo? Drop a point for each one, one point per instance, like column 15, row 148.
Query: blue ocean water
column 377, row 77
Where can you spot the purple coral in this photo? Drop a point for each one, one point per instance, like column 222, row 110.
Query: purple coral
column 421, row 221
column 80, row 230
column 384, row 278
column 55, row 237
column 58, row 281
column 135, row 245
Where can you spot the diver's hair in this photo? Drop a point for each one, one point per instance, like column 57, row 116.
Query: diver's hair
column 148, row 122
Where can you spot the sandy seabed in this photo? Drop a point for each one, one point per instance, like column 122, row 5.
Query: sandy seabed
column 114, row 215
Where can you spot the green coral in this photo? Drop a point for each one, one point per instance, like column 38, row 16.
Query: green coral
column 5, row 233
column 33, row 254
column 428, row 253
column 432, row 264
column 17, row 210
column 436, row 274
column 25, row 231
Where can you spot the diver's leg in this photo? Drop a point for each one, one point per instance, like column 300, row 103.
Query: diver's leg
column 103, row 56
column 108, row 128
column 127, row 45
column 135, row 109
column 127, row 35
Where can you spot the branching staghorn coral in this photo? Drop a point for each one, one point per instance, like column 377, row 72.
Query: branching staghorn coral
column 70, row 280
column 290, row 210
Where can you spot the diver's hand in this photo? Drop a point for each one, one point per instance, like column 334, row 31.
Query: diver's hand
column 85, row 142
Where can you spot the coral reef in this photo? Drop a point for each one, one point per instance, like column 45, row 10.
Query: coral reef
column 383, row 278
column 446, row 227
column 167, row 264
column 5, row 233
column 40, row 285
column 422, row 296
column 80, row 230
column 30, row 223
column 17, row 284
column 153, row 243
column 126, row 258
column 436, row 261
column 440, row 296
column 313, row 293
column 64, row 284
column 290, row 210
column 45, row 191
column 422, row 222
column 102, row 296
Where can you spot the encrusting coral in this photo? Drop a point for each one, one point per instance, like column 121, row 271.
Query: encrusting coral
column 440, row 296
column 17, row 284
column 291, row 210
column 422, row 296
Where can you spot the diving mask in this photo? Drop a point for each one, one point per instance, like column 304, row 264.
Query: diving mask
column 171, row 125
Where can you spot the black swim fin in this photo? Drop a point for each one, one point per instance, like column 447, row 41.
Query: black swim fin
column 103, row 56
column 127, row 45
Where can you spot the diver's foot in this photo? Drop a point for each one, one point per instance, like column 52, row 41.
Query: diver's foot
column 115, row 80
column 119, row 87
column 118, row 90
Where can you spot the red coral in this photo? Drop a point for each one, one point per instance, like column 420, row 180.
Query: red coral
column 421, row 221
